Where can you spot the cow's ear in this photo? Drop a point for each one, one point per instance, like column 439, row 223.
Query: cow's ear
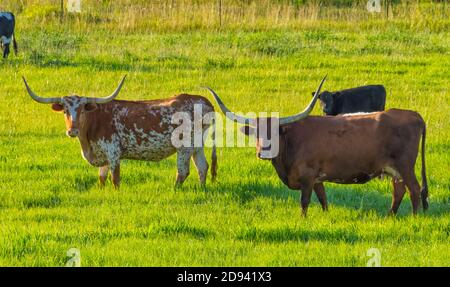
column 248, row 130
column 57, row 107
column 313, row 93
column 89, row 107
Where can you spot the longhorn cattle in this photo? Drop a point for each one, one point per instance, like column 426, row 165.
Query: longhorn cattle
column 343, row 149
column 370, row 98
column 7, row 23
column 110, row 130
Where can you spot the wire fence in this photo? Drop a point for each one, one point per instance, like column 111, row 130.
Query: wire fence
column 167, row 14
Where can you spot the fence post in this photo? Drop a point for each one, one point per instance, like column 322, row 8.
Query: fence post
column 387, row 9
column 220, row 12
column 388, row 3
column 443, row 8
column 62, row 10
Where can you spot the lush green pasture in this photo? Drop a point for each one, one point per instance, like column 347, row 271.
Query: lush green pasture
column 50, row 200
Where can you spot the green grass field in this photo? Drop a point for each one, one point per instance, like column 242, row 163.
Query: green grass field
column 50, row 200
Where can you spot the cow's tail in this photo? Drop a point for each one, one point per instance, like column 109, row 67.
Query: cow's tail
column 214, row 152
column 15, row 44
column 424, row 191
column 14, row 36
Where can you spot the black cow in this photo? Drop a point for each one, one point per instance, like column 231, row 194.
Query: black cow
column 361, row 99
column 7, row 23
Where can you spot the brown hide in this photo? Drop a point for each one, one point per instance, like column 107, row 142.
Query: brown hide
column 351, row 149
column 348, row 149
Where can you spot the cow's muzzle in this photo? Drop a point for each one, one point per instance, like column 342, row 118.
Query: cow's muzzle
column 72, row 133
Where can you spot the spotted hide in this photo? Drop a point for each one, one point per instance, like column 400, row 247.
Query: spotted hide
column 111, row 130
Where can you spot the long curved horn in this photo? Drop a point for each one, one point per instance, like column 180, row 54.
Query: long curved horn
column 40, row 99
column 229, row 114
column 108, row 98
column 306, row 111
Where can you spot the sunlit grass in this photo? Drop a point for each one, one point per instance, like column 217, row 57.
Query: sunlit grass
column 50, row 200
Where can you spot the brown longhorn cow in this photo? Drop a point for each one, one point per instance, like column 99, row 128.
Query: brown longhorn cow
column 110, row 130
column 345, row 149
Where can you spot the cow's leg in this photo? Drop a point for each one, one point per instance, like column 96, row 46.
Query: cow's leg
column 15, row 44
column 5, row 51
column 319, row 189
column 115, row 174
column 305, row 198
column 304, row 183
column 411, row 182
column 397, row 196
column 183, row 164
column 103, row 174
column 201, row 164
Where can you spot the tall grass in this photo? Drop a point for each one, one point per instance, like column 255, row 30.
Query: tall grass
column 145, row 16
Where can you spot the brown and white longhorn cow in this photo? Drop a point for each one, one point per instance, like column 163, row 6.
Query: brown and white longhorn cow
column 110, row 130
column 345, row 149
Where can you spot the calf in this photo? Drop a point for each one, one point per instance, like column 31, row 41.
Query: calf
column 361, row 99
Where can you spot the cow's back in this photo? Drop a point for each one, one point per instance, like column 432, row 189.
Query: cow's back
column 369, row 98
column 343, row 146
column 7, row 23
column 144, row 128
column 401, row 131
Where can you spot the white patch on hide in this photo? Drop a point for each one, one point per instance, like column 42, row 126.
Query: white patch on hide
column 6, row 40
column 357, row 114
column 392, row 172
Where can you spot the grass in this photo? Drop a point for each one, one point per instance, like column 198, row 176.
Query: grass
column 50, row 200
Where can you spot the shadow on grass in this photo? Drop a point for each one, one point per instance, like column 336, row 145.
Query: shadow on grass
column 55, row 61
column 86, row 183
column 183, row 228
column 345, row 196
column 125, row 62
column 283, row 234
column 48, row 201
